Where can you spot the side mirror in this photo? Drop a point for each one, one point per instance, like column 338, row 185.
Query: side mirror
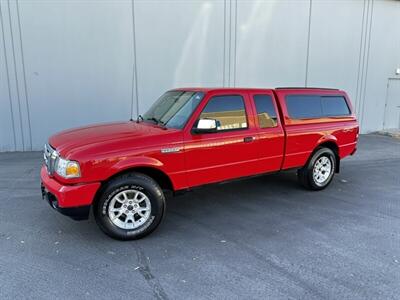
column 206, row 126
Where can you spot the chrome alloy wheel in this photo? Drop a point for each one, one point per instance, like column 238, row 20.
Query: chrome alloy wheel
column 129, row 209
column 322, row 170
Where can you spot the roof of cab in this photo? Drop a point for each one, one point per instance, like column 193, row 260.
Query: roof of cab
column 237, row 89
column 213, row 89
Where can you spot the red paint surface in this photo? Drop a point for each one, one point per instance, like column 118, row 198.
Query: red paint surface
column 105, row 150
column 69, row 195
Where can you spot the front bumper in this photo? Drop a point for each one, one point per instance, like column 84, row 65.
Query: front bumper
column 71, row 200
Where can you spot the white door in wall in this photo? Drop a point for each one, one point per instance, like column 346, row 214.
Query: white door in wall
column 392, row 108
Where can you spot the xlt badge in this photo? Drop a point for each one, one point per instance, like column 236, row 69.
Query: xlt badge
column 170, row 150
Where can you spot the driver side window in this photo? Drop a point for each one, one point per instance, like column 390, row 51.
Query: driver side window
column 228, row 111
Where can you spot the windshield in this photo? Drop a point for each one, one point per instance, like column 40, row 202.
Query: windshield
column 174, row 108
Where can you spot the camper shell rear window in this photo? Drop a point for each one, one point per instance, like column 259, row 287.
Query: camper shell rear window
column 316, row 106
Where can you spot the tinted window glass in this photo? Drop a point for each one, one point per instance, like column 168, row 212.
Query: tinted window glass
column 334, row 106
column 265, row 111
column 229, row 111
column 173, row 108
column 304, row 106
column 181, row 114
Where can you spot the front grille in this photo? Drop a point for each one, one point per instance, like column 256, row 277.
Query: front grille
column 50, row 156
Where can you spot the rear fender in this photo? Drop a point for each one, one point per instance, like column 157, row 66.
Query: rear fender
column 332, row 140
column 327, row 138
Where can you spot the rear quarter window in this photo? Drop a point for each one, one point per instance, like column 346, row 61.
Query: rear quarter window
column 334, row 106
column 266, row 113
column 316, row 106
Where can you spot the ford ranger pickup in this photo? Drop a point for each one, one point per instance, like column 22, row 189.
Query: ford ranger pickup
column 191, row 137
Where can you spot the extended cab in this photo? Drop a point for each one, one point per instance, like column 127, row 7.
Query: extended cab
column 192, row 137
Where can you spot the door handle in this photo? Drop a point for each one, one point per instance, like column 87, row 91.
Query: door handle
column 248, row 139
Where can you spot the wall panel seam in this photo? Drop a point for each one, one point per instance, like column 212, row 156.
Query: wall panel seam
column 24, row 77
column 362, row 79
column 16, row 76
column 8, row 79
column 360, row 61
column 134, row 93
column 235, row 46
column 224, row 51
column 367, row 62
column 308, row 44
column 359, row 99
column 229, row 43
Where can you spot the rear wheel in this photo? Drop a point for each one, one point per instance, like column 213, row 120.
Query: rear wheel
column 319, row 171
column 130, row 207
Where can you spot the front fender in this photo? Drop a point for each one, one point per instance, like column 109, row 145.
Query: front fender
column 136, row 162
column 147, row 165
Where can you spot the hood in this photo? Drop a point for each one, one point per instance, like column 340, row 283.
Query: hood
column 79, row 139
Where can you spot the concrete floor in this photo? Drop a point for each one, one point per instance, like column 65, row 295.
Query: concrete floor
column 259, row 238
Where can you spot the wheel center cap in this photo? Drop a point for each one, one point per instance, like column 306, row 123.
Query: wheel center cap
column 130, row 207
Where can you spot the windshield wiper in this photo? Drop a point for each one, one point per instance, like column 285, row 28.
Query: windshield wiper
column 156, row 121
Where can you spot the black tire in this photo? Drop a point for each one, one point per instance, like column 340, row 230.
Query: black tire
column 135, row 182
column 306, row 176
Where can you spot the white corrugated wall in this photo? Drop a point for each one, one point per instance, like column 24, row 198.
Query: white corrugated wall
column 70, row 63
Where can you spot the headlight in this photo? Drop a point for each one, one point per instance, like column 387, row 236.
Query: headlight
column 68, row 168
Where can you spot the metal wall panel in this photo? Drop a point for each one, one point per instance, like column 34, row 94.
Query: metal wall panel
column 78, row 59
column 271, row 43
column 13, row 104
column 71, row 63
column 335, row 37
column 179, row 44
column 7, row 132
column 383, row 59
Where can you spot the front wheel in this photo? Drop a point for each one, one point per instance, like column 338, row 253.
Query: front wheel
column 319, row 171
column 130, row 207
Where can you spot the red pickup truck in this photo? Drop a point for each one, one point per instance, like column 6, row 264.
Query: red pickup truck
column 192, row 137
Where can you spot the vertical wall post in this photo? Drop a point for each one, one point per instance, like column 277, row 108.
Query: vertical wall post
column 308, row 43
column 134, row 93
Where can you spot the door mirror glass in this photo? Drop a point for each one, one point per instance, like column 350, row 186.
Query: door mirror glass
column 206, row 126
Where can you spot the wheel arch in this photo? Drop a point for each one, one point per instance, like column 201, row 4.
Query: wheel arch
column 332, row 145
column 159, row 176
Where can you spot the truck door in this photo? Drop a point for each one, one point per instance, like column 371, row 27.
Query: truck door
column 230, row 151
column 270, row 136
